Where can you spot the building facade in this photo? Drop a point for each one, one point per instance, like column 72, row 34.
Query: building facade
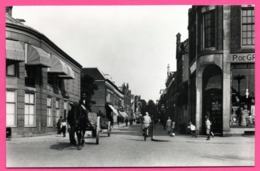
column 221, row 64
column 182, row 75
column 41, row 80
column 108, row 96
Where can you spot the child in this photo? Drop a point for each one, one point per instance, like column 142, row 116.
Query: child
column 63, row 127
column 192, row 130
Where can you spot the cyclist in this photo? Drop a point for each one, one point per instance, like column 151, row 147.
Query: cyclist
column 146, row 123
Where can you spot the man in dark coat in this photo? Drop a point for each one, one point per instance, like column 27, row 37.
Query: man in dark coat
column 72, row 124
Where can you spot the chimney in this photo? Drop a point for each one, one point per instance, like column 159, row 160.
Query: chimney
column 8, row 10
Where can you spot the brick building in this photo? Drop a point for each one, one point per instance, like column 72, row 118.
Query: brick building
column 221, row 64
column 41, row 80
column 107, row 95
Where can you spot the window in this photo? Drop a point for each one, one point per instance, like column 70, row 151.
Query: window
column 29, row 110
column 209, row 29
column 243, row 95
column 10, row 108
column 11, row 68
column 49, row 112
column 30, row 76
column 248, row 26
column 57, row 110
column 65, row 105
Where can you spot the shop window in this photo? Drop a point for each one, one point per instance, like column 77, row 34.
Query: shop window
column 248, row 26
column 30, row 76
column 11, row 68
column 243, row 95
column 49, row 112
column 29, row 110
column 209, row 29
column 10, row 108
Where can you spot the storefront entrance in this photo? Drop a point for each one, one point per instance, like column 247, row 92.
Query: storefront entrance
column 212, row 98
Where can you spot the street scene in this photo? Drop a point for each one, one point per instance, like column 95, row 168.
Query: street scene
column 130, row 86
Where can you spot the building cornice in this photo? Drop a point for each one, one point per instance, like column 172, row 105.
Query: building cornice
column 43, row 38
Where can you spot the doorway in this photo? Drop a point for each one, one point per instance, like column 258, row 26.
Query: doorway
column 213, row 98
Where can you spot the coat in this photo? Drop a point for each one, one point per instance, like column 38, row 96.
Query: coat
column 169, row 125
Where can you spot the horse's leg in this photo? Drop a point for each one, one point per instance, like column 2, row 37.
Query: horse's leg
column 79, row 138
column 83, row 136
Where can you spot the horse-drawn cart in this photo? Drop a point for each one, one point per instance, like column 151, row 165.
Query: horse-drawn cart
column 100, row 124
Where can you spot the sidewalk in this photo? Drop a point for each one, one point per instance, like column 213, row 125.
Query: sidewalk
column 52, row 136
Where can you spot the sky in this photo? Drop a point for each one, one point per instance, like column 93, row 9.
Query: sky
column 133, row 44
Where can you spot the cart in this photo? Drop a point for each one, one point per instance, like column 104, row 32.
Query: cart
column 100, row 124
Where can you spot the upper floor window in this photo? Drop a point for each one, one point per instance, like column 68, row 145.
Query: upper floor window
column 11, row 68
column 209, row 29
column 248, row 26
column 30, row 76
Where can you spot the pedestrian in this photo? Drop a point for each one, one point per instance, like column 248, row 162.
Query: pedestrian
column 59, row 125
column 169, row 125
column 71, row 123
column 63, row 127
column 192, row 129
column 208, row 127
column 118, row 120
column 126, row 121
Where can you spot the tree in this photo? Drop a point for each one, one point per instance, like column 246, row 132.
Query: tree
column 88, row 88
column 151, row 108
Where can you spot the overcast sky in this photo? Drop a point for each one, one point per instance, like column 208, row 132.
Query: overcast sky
column 133, row 44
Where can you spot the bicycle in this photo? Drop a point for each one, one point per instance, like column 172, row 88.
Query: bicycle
column 145, row 133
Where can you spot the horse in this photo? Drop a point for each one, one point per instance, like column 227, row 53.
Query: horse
column 82, row 123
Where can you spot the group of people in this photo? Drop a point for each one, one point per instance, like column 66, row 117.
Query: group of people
column 208, row 124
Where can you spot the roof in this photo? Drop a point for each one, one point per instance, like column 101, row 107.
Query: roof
column 93, row 72
column 16, row 24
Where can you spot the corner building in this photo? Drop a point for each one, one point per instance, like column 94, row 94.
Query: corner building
column 41, row 80
column 221, row 64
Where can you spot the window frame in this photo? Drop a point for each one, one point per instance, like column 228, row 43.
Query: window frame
column 8, row 62
column 57, row 109
column 15, row 103
column 243, row 8
column 30, row 104
column 50, row 123
column 212, row 25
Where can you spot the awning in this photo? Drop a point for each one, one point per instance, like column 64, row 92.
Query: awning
column 14, row 50
column 123, row 114
column 57, row 66
column 37, row 56
column 114, row 110
column 70, row 75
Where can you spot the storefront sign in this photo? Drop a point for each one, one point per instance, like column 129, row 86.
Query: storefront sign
column 243, row 57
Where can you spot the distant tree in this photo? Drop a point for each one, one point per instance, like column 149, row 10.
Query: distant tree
column 88, row 88
column 151, row 108
column 143, row 107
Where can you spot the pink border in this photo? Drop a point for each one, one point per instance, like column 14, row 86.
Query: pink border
column 4, row 3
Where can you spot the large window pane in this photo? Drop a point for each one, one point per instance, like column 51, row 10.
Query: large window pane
column 10, row 96
column 10, row 120
column 10, row 108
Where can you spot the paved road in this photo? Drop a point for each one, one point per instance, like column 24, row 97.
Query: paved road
column 126, row 148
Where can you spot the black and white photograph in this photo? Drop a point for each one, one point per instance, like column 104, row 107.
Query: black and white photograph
column 130, row 86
